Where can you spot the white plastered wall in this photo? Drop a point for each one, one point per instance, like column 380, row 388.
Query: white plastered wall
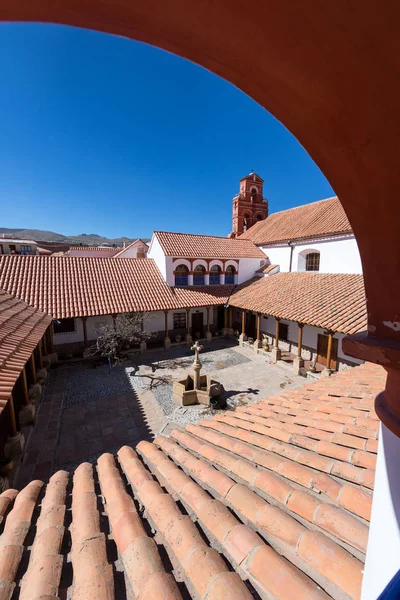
column 157, row 254
column 337, row 255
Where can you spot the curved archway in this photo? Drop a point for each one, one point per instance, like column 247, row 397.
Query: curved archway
column 199, row 274
column 340, row 102
column 215, row 275
column 181, row 275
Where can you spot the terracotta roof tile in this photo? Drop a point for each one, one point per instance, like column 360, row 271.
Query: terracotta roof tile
column 206, row 246
column 329, row 300
column 317, row 219
column 81, row 286
column 21, row 329
column 266, row 495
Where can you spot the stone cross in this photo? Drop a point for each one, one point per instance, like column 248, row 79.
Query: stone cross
column 197, row 348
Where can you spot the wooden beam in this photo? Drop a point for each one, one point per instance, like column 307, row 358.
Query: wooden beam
column 300, row 338
column 39, row 349
column 44, row 342
column 25, row 387
column 85, row 338
column 208, row 319
column 244, row 322
column 276, row 332
column 166, row 323
column 329, row 351
column 33, row 368
column 11, row 413
column 258, row 327
column 188, row 320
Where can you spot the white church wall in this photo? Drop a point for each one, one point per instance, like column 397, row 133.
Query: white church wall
column 157, row 254
column 70, row 337
column 337, row 255
column 247, row 268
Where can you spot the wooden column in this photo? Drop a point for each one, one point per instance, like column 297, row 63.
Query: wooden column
column 276, row 333
column 166, row 322
column 208, row 319
column 258, row 327
column 230, row 317
column 188, row 320
column 25, row 387
column 11, row 413
column 85, row 338
column 44, row 342
column 329, row 351
column 115, row 322
column 299, row 338
column 50, row 340
column 243, row 322
column 39, row 349
column 33, row 368
column 226, row 318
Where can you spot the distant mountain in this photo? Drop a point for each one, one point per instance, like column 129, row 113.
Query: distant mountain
column 86, row 239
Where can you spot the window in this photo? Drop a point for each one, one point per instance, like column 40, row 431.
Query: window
column 25, row 248
column 198, row 275
column 283, row 332
column 312, row 261
column 180, row 320
column 215, row 275
column 64, row 326
column 181, row 275
column 230, row 274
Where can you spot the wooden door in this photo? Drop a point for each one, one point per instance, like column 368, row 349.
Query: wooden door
column 197, row 325
column 322, row 350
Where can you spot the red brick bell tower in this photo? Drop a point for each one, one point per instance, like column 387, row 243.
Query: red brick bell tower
column 248, row 206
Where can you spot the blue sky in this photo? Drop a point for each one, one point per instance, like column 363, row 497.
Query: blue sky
column 103, row 135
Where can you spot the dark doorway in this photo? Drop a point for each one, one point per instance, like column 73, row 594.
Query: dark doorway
column 220, row 318
column 197, row 325
column 250, row 325
column 322, row 350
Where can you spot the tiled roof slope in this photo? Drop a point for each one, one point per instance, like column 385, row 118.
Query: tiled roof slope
column 189, row 245
column 329, row 300
column 272, row 499
column 322, row 218
column 265, row 269
column 65, row 286
column 21, row 329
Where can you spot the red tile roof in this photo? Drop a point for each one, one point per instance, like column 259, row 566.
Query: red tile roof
column 21, row 329
column 267, row 269
column 329, row 300
column 317, row 219
column 65, row 286
column 277, row 494
column 206, row 246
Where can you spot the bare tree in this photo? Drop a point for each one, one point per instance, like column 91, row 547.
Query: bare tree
column 127, row 331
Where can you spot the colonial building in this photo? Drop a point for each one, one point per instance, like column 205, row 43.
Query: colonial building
column 15, row 246
column 313, row 237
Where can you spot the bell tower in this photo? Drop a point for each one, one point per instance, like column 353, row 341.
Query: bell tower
column 248, row 206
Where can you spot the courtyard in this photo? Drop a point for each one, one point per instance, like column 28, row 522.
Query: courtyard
column 88, row 408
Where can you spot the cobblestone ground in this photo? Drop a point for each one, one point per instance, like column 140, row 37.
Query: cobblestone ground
column 87, row 410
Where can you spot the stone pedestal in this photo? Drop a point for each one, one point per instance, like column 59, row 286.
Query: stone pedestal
column 298, row 364
column 275, row 354
column 327, row 373
column 27, row 414
column 242, row 339
column 196, row 377
column 209, row 336
column 143, row 347
column 189, row 339
column 14, row 445
column 167, row 343
column 52, row 358
column 256, row 346
column 35, row 391
column 41, row 376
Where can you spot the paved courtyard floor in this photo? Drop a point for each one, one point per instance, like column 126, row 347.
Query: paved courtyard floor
column 87, row 409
